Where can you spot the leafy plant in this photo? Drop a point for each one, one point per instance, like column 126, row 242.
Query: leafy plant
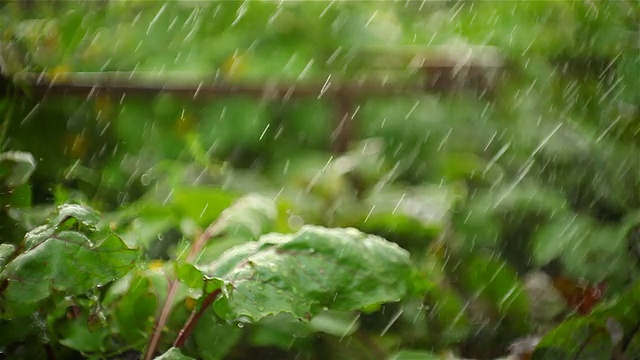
column 276, row 210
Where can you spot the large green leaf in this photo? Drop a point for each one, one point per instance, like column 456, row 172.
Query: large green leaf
column 59, row 259
column 16, row 167
column 313, row 269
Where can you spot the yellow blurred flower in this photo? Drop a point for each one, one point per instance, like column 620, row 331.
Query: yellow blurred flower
column 234, row 66
column 190, row 303
column 59, row 72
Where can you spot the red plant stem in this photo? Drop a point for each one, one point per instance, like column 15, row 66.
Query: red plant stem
column 162, row 320
column 196, row 246
column 48, row 349
column 207, row 234
column 191, row 323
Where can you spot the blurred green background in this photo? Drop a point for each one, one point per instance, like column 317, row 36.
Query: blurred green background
column 485, row 191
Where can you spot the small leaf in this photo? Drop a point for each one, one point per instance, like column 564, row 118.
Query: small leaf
column 6, row 250
column 315, row 268
column 81, row 214
column 586, row 249
column 173, row 354
column 491, row 279
column 622, row 314
column 577, row 338
column 282, row 331
column 16, row 330
column 250, row 217
column 16, row 167
column 189, row 275
column 416, row 213
column 336, row 323
column 214, row 339
column 415, row 355
column 77, row 335
column 202, row 204
column 134, row 301
column 446, row 312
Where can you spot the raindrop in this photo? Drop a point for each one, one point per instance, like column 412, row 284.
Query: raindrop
column 264, row 131
column 369, row 214
column 399, row 202
column 242, row 11
column 371, row 18
column 145, row 179
column 304, row 72
column 393, row 320
column 295, row 222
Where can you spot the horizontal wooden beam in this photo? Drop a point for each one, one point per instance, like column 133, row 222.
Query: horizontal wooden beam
column 439, row 78
column 437, row 75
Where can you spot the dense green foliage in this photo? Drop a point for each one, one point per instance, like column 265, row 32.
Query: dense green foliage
column 226, row 228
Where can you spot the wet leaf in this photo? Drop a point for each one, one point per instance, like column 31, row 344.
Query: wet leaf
column 67, row 261
column 72, row 216
column 307, row 271
column 173, row 354
column 6, row 250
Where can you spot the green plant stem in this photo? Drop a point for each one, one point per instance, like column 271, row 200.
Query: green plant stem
column 196, row 246
column 195, row 316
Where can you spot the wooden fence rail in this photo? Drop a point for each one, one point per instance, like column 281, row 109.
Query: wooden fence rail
column 439, row 74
